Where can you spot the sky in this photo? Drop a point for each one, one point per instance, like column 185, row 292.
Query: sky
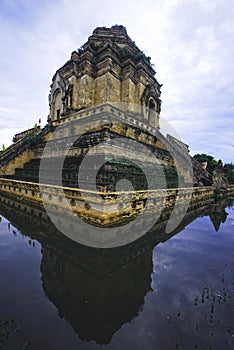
column 190, row 42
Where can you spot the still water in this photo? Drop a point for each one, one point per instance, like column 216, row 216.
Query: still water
column 174, row 292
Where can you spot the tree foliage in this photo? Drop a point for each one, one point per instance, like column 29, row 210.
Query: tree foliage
column 211, row 162
column 230, row 172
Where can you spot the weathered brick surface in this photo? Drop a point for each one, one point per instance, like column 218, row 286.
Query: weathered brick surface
column 31, row 193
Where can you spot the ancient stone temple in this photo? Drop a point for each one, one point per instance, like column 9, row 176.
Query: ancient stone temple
column 107, row 92
column 102, row 158
column 108, row 68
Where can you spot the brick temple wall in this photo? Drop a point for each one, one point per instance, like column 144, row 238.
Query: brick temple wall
column 30, row 193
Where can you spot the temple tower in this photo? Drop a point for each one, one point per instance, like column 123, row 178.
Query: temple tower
column 108, row 68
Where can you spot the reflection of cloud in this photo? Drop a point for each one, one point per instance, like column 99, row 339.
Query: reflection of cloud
column 190, row 44
column 196, row 258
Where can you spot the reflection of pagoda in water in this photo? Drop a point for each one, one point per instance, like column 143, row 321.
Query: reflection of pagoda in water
column 97, row 290
column 95, row 307
column 218, row 215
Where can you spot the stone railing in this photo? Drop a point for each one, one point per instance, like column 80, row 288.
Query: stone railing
column 181, row 144
column 102, row 208
column 183, row 156
column 183, row 150
column 109, row 111
column 20, row 146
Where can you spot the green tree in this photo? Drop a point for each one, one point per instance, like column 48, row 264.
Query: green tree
column 203, row 157
column 211, row 162
column 230, row 172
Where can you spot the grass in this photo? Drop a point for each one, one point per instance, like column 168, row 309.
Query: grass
column 8, row 329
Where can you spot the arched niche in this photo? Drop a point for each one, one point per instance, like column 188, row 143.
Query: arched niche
column 151, row 105
column 57, row 105
column 57, row 97
column 151, row 112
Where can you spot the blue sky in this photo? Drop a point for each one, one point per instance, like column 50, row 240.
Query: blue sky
column 190, row 43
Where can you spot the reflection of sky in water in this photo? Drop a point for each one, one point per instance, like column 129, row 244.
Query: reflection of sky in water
column 195, row 264
column 183, row 266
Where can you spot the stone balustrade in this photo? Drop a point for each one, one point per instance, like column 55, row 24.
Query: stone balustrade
column 103, row 208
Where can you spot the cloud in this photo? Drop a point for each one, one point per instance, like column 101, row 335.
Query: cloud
column 190, row 43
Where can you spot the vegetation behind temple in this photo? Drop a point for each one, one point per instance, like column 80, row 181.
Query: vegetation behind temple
column 212, row 162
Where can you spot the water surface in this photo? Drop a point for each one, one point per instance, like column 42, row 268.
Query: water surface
column 176, row 294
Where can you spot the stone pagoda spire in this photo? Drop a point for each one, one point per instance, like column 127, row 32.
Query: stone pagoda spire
column 108, row 68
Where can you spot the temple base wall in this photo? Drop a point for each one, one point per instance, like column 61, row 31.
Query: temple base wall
column 103, row 209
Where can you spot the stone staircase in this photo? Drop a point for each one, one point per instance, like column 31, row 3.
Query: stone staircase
column 22, row 151
column 188, row 166
column 22, row 161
